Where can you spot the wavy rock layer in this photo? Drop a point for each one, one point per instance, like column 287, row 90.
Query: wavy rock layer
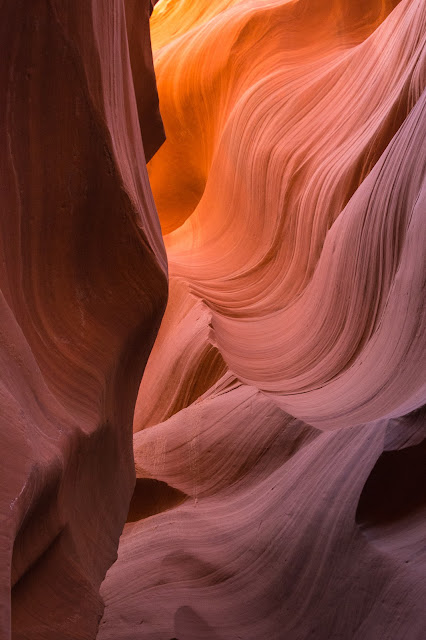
column 267, row 547
column 280, row 421
column 83, row 288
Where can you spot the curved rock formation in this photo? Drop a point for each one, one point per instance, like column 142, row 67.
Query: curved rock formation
column 280, row 419
column 289, row 157
column 83, row 288
column 272, row 553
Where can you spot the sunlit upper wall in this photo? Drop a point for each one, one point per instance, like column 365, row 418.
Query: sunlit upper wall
column 173, row 18
column 207, row 55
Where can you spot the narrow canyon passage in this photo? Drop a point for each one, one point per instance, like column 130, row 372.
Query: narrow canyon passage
column 213, row 314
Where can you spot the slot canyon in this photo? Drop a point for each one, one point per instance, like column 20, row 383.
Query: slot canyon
column 213, row 320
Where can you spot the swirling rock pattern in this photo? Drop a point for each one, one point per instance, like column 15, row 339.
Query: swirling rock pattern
column 280, row 420
column 83, row 289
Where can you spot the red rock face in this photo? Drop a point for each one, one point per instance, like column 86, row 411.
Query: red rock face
column 83, row 282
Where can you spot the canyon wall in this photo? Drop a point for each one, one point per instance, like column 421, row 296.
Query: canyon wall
column 83, row 288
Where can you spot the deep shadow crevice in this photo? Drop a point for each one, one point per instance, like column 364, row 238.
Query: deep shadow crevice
column 395, row 488
column 151, row 497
